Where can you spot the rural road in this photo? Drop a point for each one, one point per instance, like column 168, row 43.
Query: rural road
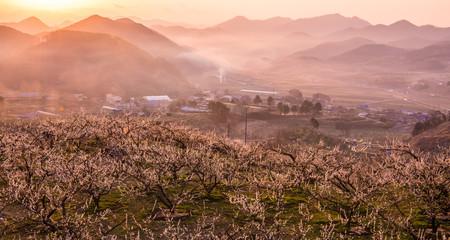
column 406, row 98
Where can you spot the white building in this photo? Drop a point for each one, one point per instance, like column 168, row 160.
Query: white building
column 112, row 99
column 157, row 101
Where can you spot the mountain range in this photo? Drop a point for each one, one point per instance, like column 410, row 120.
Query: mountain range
column 331, row 49
column 13, row 41
column 125, row 28
column 315, row 26
column 91, row 63
column 31, row 25
column 35, row 55
column 323, row 25
column 397, row 31
column 368, row 52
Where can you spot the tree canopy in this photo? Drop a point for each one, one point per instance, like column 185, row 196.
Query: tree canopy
column 219, row 111
column 257, row 100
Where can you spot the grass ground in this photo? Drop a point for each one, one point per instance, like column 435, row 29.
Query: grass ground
column 265, row 129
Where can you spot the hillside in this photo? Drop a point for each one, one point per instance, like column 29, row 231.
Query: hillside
column 411, row 43
column 192, row 65
column 367, row 53
column 434, row 138
column 31, row 25
column 322, row 25
column 394, row 32
column 437, row 51
column 131, row 177
column 13, row 42
column 149, row 40
column 294, row 41
column 432, row 58
column 330, row 49
column 91, row 63
column 243, row 25
column 177, row 32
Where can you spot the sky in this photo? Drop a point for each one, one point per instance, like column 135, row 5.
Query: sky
column 210, row 12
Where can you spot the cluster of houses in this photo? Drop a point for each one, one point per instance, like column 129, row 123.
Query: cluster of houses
column 117, row 103
column 402, row 120
column 199, row 104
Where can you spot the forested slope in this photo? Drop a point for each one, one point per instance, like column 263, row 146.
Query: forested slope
column 92, row 177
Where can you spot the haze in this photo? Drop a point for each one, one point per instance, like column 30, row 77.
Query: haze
column 379, row 65
column 208, row 12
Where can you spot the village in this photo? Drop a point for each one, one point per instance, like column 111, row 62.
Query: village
column 246, row 101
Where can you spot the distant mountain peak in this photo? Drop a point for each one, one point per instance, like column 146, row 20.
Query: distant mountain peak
column 403, row 23
column 94, row 20
column 323, row 25
column 125, row 20
column 360, row 19
column 96, row 17
column 239, row 18
column 33, row 20
column 31, row 25
column 136, row 33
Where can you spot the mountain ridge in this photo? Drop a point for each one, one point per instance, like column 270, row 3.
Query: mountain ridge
column 136, row 33
column 91, row 63
column 13, row 41
column 31, row 25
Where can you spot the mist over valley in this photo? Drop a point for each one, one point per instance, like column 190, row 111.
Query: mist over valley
column 231, row 120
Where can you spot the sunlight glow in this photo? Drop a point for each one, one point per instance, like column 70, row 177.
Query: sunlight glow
column 50, row 4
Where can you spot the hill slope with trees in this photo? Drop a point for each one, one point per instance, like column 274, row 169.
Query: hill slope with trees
column 84, row 177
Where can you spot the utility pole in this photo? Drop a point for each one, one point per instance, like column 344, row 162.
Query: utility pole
column 246, row 118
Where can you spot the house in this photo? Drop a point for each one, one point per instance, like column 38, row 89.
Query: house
column 193, row 110
column 112, row 99
column 157, row 101
column 118, row 102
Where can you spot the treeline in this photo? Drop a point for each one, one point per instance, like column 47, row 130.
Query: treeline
column 108, row 177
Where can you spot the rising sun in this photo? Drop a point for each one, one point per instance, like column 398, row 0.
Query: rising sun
column 49, row 4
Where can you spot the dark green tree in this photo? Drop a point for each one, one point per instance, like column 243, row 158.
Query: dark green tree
column 296, row 93
column 270, row 101
column 286, row 109
column 294, row 109
column 306, row 107
column 280, row 107
column 220, row 111
column 317, row 107
column 257, row 100
column 246, row 100
column 321, row 97
column 314, row 122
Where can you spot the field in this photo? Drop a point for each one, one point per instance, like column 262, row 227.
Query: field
column 263, row 127
column 350, row 87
